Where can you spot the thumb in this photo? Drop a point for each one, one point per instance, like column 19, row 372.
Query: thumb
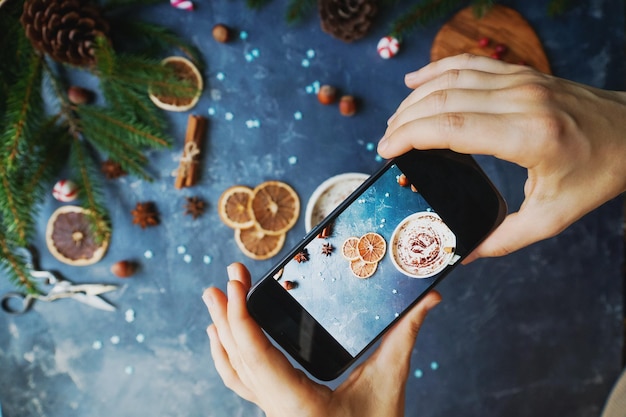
column 394, row 353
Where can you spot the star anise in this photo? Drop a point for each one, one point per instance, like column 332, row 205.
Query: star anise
column 302, row 256
column 327, row 249
column 145, row 215
column 112, row 169
column 195, row 206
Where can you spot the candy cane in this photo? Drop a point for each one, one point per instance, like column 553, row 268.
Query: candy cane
column 182, row 4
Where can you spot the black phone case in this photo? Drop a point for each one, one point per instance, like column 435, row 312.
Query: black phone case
column 459, row 192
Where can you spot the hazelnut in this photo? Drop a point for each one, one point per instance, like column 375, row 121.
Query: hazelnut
column 403, row 181
column 123, row 269
column 327, row 94
column 221, row 33
column 79, row 95
column 289, row 285
column 347, row 106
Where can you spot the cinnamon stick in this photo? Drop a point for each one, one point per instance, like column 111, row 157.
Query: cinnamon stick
column 187, row 175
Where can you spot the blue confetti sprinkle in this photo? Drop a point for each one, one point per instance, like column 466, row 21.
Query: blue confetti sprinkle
column 249, row 57
column 293, row 160
column 207, row 259
column 377, row 317
column 378, row 158
column 418, row 373
column 148, row 254
column 255, row 52
column 243, row 35
column 297, row 115
column 187, row 258
column 229, row 116
column 253, row 123
column 181, row 249
column 370, row 146
column 310, row 53
column 434, row 366
column 220, row 76
column 211, row 111
column 306, row 63
column 394, row 291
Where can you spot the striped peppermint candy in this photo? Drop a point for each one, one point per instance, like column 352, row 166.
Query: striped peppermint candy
column 182, row 4
column 65, row 191
column 388, row 47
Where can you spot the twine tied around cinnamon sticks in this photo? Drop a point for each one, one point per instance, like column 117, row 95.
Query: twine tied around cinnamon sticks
column 187, row 174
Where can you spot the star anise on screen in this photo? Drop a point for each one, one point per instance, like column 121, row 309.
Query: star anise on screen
column 195, row 206
column 145, row 215
column 327, row 249
column 302, row 256
column 112, row 169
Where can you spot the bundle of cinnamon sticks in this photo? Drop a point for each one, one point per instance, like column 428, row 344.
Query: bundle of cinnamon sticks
column 187, row 174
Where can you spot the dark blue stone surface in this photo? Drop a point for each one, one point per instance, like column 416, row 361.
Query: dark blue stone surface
column 537, row 333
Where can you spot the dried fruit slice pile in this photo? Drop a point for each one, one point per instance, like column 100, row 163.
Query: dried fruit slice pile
column 364, row 253
column 261, row 216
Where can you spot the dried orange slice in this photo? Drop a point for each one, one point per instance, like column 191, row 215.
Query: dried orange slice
column 70, row 238
column 372, row 247
column 255, row 244
column 232, row 207
column 275, row 207
column 362, row 269
column 186, row 71
column 349, row 248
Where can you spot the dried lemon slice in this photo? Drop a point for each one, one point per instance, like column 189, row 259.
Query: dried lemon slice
column 362, row 269
column 70, row 239
column 185, row 70
column 372, row 247
column 349, row 248
column 275, row 207
column 232, row 207
column 255, row 244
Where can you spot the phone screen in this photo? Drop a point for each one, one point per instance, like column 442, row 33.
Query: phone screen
column 374, row 260
column 373, row 257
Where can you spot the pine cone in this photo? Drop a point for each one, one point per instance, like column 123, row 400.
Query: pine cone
column 64, row 29
column 348, row 20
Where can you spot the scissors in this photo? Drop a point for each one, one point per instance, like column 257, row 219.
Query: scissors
column 57, row 288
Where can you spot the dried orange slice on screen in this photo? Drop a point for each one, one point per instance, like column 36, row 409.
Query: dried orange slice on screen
column 186, row 71
column 349, row 248
column 275, row 207
column 371, row 247
column 362, row 269
column 232, row 207
column 258, row 245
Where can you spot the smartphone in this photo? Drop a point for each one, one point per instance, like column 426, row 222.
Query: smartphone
column 374, row 257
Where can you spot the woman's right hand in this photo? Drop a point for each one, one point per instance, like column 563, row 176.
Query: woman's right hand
column 570, row 137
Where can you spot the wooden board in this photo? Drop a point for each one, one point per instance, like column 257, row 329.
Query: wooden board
column 502, row 25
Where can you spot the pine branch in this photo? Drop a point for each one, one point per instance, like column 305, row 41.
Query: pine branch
column 15, row 266
column 257, row 4
column 110, row 5
column 108, row 141
column 421, row 14
column 91, row 194
column 557, row 7
column 297, row 9
column 119, row 124
column 156, row 40
column 24, row 107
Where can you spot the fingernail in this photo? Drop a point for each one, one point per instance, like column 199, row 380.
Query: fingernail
column 207, row 298
column 390, row 120
column 382, row 144
column 230, row 270
column 408, row 78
